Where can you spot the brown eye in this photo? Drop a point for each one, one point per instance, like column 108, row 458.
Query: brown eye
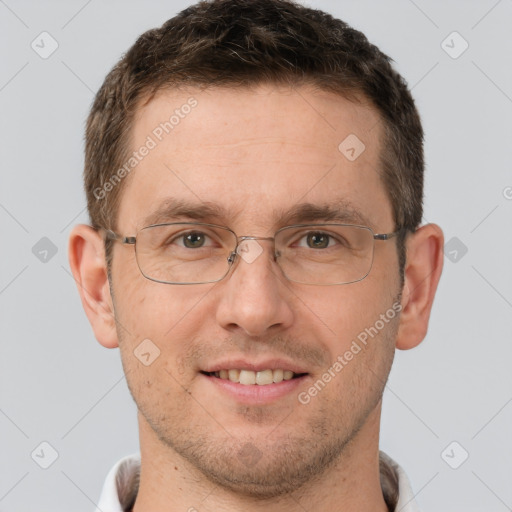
column 318, row 240
column 194, row 240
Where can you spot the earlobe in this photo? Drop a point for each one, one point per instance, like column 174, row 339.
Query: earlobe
column 423, row 269
column 87, row 261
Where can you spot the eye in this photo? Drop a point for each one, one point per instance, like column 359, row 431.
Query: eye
column 316, row 240
column 193, row 240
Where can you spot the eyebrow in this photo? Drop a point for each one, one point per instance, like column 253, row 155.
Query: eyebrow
column 339, row 211
column 176, row 209
column 173, row 210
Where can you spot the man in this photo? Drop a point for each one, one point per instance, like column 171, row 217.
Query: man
column 254, row 175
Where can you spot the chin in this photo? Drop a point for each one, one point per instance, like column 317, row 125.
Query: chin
column 262, row 468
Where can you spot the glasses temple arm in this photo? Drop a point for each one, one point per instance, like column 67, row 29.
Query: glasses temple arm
column 111, row 235
column 387, row 236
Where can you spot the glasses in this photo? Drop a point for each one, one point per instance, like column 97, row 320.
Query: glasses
column 199, row 253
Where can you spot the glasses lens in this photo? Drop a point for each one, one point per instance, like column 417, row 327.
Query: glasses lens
column 184, row 253
column 325, row 254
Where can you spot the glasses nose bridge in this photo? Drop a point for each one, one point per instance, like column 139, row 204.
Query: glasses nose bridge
column 241, row 239
column 250, row 237
column 239, row 245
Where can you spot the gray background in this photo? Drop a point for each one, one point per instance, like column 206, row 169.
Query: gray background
column 59, row 386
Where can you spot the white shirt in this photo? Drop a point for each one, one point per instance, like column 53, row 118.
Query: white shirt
column 122, row 482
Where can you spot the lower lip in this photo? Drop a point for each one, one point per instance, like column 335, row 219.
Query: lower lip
column 255, row 394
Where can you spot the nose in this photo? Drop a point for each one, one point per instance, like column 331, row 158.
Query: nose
column 254, row 297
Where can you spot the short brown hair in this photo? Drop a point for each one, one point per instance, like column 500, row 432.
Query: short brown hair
column 238, row 43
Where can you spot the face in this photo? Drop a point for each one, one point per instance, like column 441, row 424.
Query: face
column 248, row 160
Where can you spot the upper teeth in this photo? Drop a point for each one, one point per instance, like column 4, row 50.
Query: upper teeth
column 249, row 377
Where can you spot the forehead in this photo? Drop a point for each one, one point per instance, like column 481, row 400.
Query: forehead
column 256, row 153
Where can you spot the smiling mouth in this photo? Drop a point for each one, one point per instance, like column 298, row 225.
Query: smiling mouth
column 249, row 377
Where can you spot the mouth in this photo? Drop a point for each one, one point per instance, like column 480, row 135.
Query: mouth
column 255, row 378
column 255, row 382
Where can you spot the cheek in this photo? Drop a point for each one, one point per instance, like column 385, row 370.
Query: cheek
column 159, row 392
column 361, row 342
column 339, row 314
column 155, row 310
column 156, row 324
column 357, row 323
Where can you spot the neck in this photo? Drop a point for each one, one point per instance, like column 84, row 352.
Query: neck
column 168, row 482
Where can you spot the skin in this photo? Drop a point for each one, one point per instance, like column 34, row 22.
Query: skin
column 254, row 152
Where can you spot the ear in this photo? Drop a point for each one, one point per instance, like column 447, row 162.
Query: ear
column 423, row 268
column 87, row 261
